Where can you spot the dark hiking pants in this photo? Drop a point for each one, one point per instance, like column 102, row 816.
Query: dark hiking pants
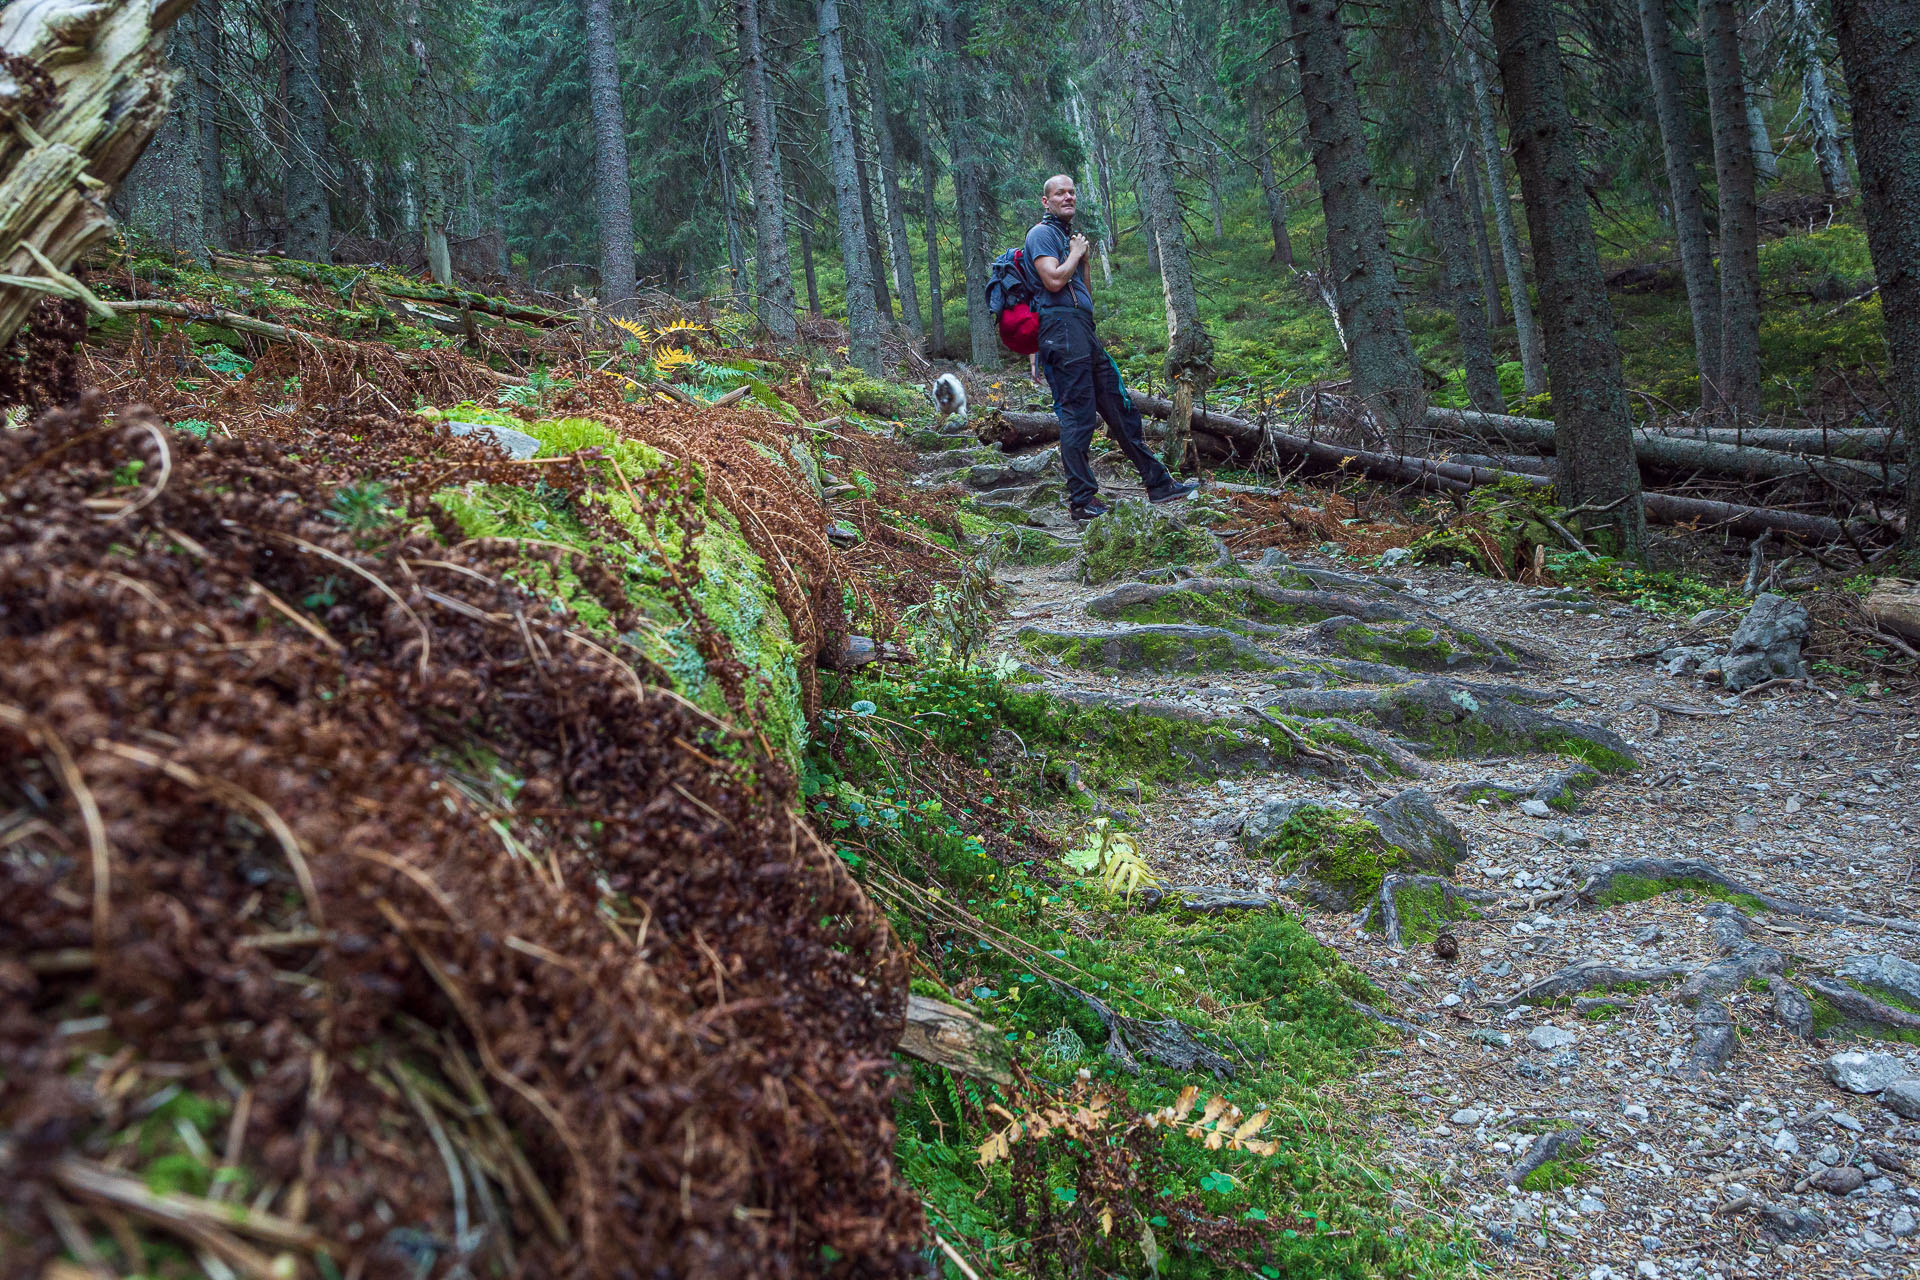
column 1085, row 382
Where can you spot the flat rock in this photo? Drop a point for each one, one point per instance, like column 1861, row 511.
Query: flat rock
column 1838, row 1181
column 1550, row 1037
column 1791, row 1222
column 1792, row 1008
column 1858, row 1072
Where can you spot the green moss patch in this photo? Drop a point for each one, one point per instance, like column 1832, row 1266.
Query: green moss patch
column 1339, row 851
column 1136, row 535
column 1425, row 909
column 1631, row 888
column 1556, row 1174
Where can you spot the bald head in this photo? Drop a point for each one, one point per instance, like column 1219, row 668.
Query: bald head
column 1057, row 197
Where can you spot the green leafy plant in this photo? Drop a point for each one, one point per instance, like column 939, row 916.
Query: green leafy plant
column 1114, row 856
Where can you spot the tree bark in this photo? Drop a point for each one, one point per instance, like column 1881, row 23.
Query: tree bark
column 970, row 204
column 163, row 194
column 1739, row 218
column 1881, row 56
column 1593, row 431
column 806, row 260
column 773, row 267
column 1276, row 199
column 1386, row 374
column 896, row 212
column 1189, row 362
column 1817, row 97
column 433, row 205
column 309, row 226
column 1766, row 162
column 876, row 257
column 1477, row 220
column 1683, row 189
column 208, row 74
column 1095, row 208
column 730, row 207
column 1533, row 364
column 1213, row 189
column 930, row 216
column 863, row 321
column 613, row 192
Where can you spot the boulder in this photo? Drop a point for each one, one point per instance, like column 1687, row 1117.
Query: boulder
column 518, row 444
column 1902, row 1097
column 1766, row 645
column 1265, row 822
column 1858, row 1072
column 1434, row 846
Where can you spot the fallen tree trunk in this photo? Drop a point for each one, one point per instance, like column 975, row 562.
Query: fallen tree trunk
column 948, row 1036
column 61, row 153
column 1894, row 606
column 1676, row 453
column 1017, row 430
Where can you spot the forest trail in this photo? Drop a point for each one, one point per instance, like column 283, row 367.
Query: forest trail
column 1674, row 1168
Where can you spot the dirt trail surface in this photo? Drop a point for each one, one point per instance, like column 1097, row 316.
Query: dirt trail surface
column 1664, row 1080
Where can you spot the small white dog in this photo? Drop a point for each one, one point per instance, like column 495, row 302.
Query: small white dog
column 950, row 396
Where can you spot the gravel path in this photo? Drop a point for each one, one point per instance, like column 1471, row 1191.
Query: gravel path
column 1801, row 793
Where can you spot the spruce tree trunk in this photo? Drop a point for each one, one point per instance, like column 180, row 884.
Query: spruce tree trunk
column 1446, row 216
column 1881, row 57
column 207, row 72
column 309, row 226
column 612, row 189
column 863, row 320
column 930, row 216
column 970, row 203
column 1533, row 367
column 1263, row 161
column 1386, row 375
column 1739, row 220
column 896, row 212
column 773, row 268
column 1683, row 189
column 163, row 193
column 1818, row 100
column 736, row 237
column 1593, row 427
column 1213, row 190
column 876, row 258
column 1470, row 167
column 806, row 261
column 433, row 204
column 1189, row 363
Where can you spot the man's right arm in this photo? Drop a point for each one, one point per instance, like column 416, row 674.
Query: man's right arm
column 1057, row 275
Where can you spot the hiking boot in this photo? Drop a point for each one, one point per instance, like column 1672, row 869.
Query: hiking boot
column 1091, row 510
column 1173, row 491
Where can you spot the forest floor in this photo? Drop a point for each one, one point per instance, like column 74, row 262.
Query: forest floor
column 1803, row 792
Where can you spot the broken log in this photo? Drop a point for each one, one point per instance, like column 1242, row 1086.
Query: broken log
column 1012, row 430
column 1675, row 453
column 948, row 1036
column 1894, row 605
column 62, row 154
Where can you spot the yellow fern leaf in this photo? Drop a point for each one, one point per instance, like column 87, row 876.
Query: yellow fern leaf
column 639, row 331
column 1254, row 1124
column 1184, row 1103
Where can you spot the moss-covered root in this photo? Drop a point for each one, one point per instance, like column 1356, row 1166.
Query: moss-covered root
column 1459, row 720
column 1239, row 603
column 1589, row 975
column 1412, row 908
column 1557, row 1148
column 1149, row 741
column 1151, row 648
column 1628, row 880
column 1837, row 1005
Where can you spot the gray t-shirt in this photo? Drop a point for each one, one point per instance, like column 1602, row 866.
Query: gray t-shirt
column 1047, row 240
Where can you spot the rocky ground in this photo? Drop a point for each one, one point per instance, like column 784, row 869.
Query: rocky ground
column 1691, row 1125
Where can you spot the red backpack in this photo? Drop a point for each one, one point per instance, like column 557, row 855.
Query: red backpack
column 1012, row 288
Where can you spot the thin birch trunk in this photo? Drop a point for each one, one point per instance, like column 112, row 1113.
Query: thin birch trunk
column 863, row 321
column 1766, row 162
column 1533, row 368
column 876, row 256
column 1683, row 190
column 1818, row 100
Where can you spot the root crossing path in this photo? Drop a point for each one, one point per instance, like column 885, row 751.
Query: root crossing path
column 1635, row 917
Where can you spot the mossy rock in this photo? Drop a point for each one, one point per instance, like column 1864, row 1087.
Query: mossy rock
column 1419, row 646
column 1136, row 535
column 1344, row 856
column 1118, row 740
column 1239, row 604
column 872, row 396
column 1171, row 648
column 1028, row 546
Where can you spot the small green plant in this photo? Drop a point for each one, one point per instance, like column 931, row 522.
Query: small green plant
column 198, row 428
column 362, row 507
column 127, row 474
column 1114, row 855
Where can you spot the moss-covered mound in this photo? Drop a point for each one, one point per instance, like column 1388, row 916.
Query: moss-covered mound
column 1136, row 535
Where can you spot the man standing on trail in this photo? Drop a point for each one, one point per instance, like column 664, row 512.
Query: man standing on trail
column 1083, row 376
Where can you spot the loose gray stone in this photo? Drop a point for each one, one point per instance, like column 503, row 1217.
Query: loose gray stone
column 1682, row 660
column 1560, row 833
column 518, row 444
column 1466, row 1117
column 1902, row 1224
column 1828, row 1154
column 1858, row 1072
column 1650, row 934
column 1786, row 1142
column 1838, row 1181
column 1265, row 822
column 1634, row 1111
column 1766, row 644
column 1707, row 617
column 1550, row 1037
column 1536, row 808
column 1847, row 1122
column 1713, row 1037
column 1902, row 1097
column 1487, row 1035
column 1789, row 1221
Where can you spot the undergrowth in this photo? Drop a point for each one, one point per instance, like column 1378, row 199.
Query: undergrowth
column 934, row 787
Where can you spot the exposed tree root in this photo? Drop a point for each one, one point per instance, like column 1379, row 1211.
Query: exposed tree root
column 1585, row 975
column 1602, row 878
column 1390, row 911
column 1546, row 1148
column 1864, row 1007
column 1206, row 898
column 1166, row 1041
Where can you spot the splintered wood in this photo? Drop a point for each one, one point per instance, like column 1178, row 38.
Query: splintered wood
column 83, row 85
